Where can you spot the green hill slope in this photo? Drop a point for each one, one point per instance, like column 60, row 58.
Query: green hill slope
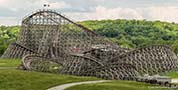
column 13, row 79
column 136, row 33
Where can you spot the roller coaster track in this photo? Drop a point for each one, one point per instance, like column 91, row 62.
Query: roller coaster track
column 16, row 50
column 47, row 37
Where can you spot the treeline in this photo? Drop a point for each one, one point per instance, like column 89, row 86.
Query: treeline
column 8, row 34
column 127, row 33
column 136, row 33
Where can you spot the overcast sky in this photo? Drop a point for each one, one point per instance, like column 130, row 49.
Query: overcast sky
column 12, row 11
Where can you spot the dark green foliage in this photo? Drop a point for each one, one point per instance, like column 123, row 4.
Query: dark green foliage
column 136, row 33
column 8, row 34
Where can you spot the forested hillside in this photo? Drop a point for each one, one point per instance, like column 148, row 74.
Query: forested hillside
column 8, row 35
column 127, row 33
column 136, row 33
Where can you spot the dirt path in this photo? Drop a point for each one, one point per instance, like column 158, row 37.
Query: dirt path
column 64, row 86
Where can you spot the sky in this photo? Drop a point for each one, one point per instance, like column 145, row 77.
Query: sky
column 12, row 11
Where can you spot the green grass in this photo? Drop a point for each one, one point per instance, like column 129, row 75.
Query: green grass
column 12, row 79
column 29, row 80
column 172, row 74
column 119, row 85
column 10, row 62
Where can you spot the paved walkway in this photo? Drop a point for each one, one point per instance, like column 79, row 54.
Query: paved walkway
column 174, row 80
column 64, row 86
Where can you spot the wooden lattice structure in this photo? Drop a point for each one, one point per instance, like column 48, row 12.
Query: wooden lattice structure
column 48, row 37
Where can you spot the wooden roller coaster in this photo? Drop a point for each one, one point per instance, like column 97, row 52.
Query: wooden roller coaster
column 49, row 37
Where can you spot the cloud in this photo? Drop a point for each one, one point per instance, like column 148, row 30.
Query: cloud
column 104, row 13
column 115, row 13
column 18, row 5
column 3, row 3
column 10, row 21
column 169, row 13
column 58, row 5
column 162, row 13
column 80, row 10
column 12, row 10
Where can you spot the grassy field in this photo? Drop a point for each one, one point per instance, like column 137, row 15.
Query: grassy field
column 28, row 80
column 172, row 74
column 10, row 63
column 119, row 85
column 11, row 79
